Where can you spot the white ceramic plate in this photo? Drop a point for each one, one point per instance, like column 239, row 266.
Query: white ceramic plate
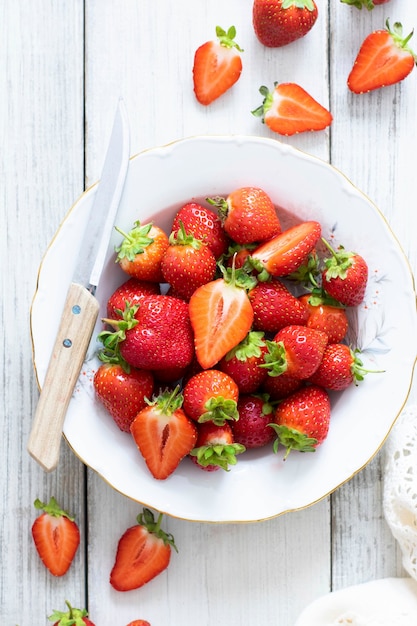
column 261, row 485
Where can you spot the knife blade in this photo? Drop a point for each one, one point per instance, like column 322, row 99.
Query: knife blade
column 81, row 308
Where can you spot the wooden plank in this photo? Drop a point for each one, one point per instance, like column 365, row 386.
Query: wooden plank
column 41, row 169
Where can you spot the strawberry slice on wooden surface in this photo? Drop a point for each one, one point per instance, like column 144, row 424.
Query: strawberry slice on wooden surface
column 289, row 109
column 143, row 552
column 217, row 66
column 279, row 22
column 56, row 536
column 72, row 617
column 163, row 433
column 283, row 254
column 221, row 316
column 384, row 58
column 326, row 314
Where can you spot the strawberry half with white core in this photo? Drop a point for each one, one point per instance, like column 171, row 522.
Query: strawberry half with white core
column 289, row 109
column 215, row 447
column 346, row 276
column 217, row 66
column 163, row 433
column 141, row 251
column 248, row 215
column 302, row 420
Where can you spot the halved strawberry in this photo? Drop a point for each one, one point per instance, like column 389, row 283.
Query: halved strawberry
column 283, row 254
column 289, row 109
column 217, row 66
column 72, row 617
column 384, row 58
column 163, row 433
column 56, row 537
column 143, row 552
column 211, row 395
column 221, row 316
column 215, row 447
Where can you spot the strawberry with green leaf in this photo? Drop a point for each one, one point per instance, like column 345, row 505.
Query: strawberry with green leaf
column 143, row 552
column 243, row 361
column 72, row 617
column 215, row 448
column 217, row 66
column 211, row 395
column 163, row 433
column 345, row 276
column 279, row 22
column 340, row 367
column 204, row 224
column 141, row 251
column 326, row 314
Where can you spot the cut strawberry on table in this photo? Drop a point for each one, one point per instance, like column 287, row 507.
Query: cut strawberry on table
column 204, row 224
column 384, row 58
column 279, row 22
column 143, row 552
column 217, row 66
column 289, row 109
column 283, row 254
column 72, row 617
column 211, row 395
column 56, row 536
column 221, row 316
column 248, row 215
column 215, row 448
column 345, row 276
column 187, row 263
column 302, row 420
column 123, row 393
column 163, row 433
column 141, row 251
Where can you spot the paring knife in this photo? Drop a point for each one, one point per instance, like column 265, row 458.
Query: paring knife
column 81, row 307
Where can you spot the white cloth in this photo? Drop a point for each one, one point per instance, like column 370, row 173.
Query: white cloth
column 387, row 601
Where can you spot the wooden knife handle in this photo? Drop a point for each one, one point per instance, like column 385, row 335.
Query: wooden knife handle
column 68, row 354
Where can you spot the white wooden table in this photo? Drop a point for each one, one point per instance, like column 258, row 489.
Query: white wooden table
column 63, row 67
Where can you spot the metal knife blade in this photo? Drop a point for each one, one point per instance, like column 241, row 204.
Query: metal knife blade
column 81, row 307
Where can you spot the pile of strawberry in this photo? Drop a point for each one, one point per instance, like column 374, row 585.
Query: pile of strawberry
column 228, row 333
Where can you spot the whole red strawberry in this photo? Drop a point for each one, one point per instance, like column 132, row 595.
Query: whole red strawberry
column 204, row 224
column 326, row 315
column 345, row 276
column 340, row 367
column 302, row 420
column 143, row 552
column 242, row 362
column 248, row 215
column 56, row 537
column 274, row 307
column 122, row 392
column 72, row 617
column 211, row 395
column 280, row 385
column 141, row 251
column 187, row 263
column 215, row 447
column 252, row 429
column 131, row 291
column 280, row 22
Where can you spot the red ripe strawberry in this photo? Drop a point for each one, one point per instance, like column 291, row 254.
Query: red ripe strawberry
column 289, row 109
column 248, row 215
column 280, row 386
column 368, row 4
column 302, row 420
column 345, row 276
column 72, row 617
column 153, row 336
column 252, row 429
column 283, row 254
column 279, row 22
column 215, row 447
column 139, row 622
column 204, row 224
column 141, row 251
column 296, row 351
column 217, row 66
column 339, row 368
column 211, row 395
column 242, row 362
column 131, row 291
column 143, row 552
column 274, row 307
column 187, row 263
column 56, row 537
column 221, row 316
column 122, row 393
column 163, row 433
column 384, row 58
column 329, row 318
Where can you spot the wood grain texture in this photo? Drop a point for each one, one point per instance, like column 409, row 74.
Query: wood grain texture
column 65, row 66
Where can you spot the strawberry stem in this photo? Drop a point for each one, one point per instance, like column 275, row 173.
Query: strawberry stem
column 147, row 520
column 52, row 508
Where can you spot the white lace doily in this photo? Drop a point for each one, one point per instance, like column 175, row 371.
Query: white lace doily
column 387, row 601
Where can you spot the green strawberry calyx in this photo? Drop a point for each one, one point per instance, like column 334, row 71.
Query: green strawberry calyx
column 368, row 4
column 357, row 369
column 275, row 359
column 267, row 102
column 147, row 520
column 52, row 508
column 339, row 262
column 73, row 617
column 218, row 410
column 298, row 4
column 396, row 33
column 181, row 238
column 292, row 439
column 134, row 242
column 218, row 454
column 168, row 401
column 250, row 347
column 227, row 38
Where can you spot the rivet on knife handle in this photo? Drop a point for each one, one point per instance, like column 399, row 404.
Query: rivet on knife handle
column 74, row 334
